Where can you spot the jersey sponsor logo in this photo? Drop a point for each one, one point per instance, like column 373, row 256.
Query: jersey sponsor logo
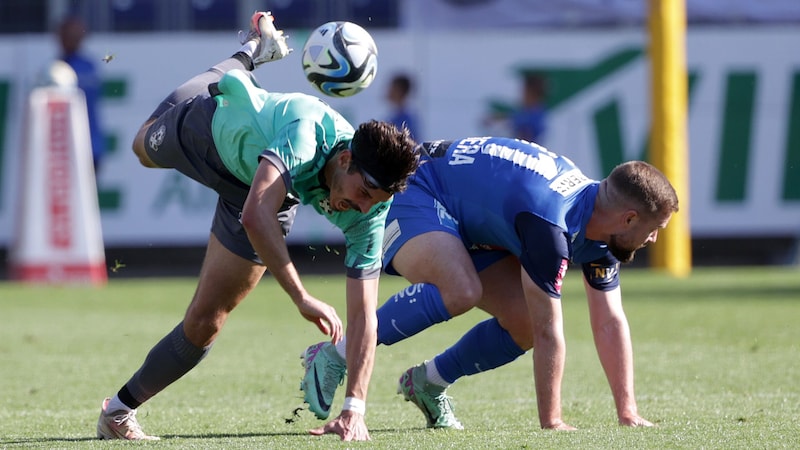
column 396, row 328
column 435, row 149
column 602, row 273
column 410, row 291
column 157, row 138
column 569, row 182
column 325, row 205
column 444, row 217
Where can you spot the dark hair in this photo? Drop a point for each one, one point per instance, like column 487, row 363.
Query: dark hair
column 403, row 82
column 385, row 153
column 645, row 186
column 536, row 83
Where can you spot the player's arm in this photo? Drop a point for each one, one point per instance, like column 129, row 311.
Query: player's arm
column 260, row 220
column 549, row 352
column 544, row 263
column 362, row 338
column 362, row 334
column 362, row 239
column 612, row 336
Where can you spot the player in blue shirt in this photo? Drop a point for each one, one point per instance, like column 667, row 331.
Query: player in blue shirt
column 495, row 223
column 71, row 33
column 264, row 153
column 528, row 122
column 397, row 94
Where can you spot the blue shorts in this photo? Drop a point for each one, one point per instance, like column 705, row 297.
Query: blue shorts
column 414, row 212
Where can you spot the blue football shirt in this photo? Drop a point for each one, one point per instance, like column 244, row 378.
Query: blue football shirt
column 518, row 196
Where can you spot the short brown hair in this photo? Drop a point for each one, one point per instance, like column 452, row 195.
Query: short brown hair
column 644, row 186
column 386, row 153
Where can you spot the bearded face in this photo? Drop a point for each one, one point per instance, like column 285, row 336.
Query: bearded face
column 620, row 251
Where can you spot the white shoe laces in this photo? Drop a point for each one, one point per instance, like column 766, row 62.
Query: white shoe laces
column 129, row 421
column 331, row 374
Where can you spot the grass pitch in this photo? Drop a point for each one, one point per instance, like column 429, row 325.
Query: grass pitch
column 717, row 366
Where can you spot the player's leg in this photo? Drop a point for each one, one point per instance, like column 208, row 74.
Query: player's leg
column 420, row 237
column 263, row 43
column 493, row 342
column 445, row 284
column 231, row 269
column 427, row 250
column 504, row 300
column 197, row 85
column 484, row 347
column 225, row 280
column 429, row 260
column 424, row 259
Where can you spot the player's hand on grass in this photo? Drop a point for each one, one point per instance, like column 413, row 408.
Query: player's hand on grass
column 635, row 421
column 323, row 316
column 350, row 426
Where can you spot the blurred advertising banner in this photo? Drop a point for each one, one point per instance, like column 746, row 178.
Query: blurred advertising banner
column 744, row 95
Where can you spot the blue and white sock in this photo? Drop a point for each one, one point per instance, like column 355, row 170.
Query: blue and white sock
column 410, row 311
column 433, row 375
column 485, row 347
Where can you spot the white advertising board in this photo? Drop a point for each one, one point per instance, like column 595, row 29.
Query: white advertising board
column 745, row 160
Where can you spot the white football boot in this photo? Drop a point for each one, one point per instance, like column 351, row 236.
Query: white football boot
column 270, row 42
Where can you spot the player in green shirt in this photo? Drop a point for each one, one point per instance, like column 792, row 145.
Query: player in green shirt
column 265, row 153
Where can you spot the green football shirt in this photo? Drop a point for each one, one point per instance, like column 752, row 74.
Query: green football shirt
column 299, row 132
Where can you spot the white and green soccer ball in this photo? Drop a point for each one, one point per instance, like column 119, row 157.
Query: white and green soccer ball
column 340, row 59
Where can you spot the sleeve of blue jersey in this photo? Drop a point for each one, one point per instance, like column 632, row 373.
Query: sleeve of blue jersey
column 602, row 274
column 544, row 249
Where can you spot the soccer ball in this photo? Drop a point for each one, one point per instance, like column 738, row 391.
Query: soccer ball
column 340, row 59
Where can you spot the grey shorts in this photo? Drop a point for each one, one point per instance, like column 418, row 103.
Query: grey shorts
column 181, row 139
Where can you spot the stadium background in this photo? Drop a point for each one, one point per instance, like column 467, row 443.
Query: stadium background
column 466, row 57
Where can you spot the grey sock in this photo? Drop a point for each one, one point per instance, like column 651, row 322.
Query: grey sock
column 169, row 360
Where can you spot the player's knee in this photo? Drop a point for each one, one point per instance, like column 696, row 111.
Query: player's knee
column 202, row 329
column 523, row 336
column 139, row 147
column 518, row 325
column 460, row 297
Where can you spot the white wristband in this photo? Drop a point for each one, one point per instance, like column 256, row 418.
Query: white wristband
column 354, row 404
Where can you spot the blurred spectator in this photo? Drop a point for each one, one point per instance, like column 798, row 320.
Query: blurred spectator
column 71, row 32
column 524, row 120
column 397, row 94
column 528, row 122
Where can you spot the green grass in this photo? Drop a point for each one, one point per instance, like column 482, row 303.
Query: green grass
column 717, row 366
